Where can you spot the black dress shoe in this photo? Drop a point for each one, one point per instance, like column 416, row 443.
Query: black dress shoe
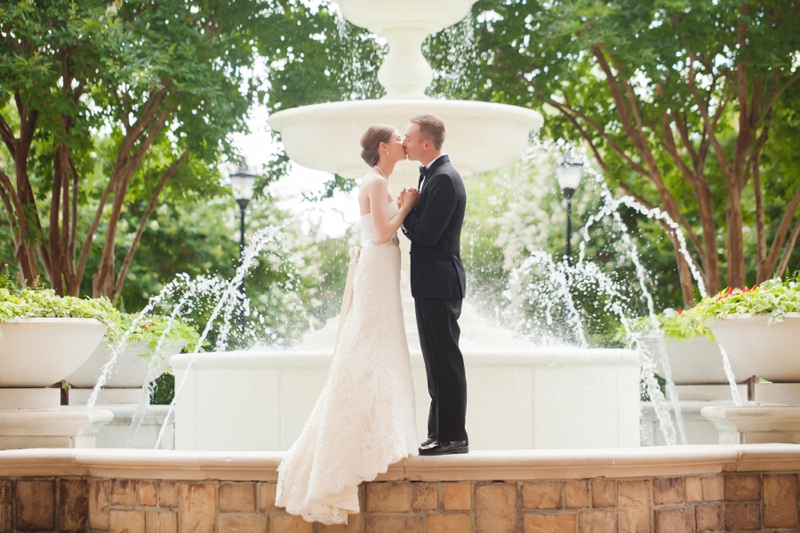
column 446, row 448
column 427, row 444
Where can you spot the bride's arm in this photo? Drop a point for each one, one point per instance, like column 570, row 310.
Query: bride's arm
column 377, row 190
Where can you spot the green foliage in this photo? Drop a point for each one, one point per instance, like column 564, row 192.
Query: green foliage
column 679, row 325
column 163, row 391
column 151, row 329
column 683, row 325
column 37, row 302
column 338, row 183
column 775, row 297
column 314, row 56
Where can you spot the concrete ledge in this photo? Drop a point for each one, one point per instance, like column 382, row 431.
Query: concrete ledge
column 475, row 466
column 476, row 356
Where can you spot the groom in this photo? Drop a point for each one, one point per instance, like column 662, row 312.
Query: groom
column 438, row 283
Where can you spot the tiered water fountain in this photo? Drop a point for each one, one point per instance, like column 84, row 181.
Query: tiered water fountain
column 520, row 397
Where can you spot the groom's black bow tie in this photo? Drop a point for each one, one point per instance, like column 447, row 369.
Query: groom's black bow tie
column 423, row 173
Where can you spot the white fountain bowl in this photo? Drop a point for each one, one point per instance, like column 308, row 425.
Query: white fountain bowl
column 38, row 352
column 696, row 361
column 769, row 351
column 131, row 368
column 480, row 136
column 377, row 15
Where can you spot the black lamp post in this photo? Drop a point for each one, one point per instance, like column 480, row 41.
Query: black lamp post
column 242, row 182
column 569, row 173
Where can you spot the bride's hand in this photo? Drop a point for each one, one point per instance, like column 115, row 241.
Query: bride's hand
column 400, row 198
column 410, row 198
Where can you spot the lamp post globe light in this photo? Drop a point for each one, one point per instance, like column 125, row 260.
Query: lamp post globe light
column 569, row 173
column 242, row 182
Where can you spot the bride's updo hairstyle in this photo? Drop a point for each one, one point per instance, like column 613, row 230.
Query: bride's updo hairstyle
column 371, row 141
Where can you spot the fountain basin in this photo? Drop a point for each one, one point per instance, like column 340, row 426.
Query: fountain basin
column 37, row 352
column 765, row 350
column 480, row 135
column 517, row 399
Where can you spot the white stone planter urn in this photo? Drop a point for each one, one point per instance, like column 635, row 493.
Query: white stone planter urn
column 695, row 361
column 131, row 368
column 37, row 352
column 769, row 351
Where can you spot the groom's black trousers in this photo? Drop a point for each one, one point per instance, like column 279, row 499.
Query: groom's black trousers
column 437, row 322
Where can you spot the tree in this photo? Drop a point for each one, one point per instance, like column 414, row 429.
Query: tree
column 169, row 76
column 680, row 94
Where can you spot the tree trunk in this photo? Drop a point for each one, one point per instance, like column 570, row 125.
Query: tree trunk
column 123, row 270
column 148, row 127
column 55, row 236
column 734, row 223
column 685, row 275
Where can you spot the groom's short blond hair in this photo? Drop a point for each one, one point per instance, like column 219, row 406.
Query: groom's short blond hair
column 430, row 127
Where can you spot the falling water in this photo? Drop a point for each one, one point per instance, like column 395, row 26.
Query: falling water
column 726, row 364
column 226, row 298
column 119, row 347
column 197, row 288
column 230, row 295
column 457, row 78
column 555, row 289
column 560, row 280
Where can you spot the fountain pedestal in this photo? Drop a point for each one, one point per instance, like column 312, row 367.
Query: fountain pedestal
column 33, row 418
column 773, row 416
column 123, row 403
column 692, row 399
column 751, row 424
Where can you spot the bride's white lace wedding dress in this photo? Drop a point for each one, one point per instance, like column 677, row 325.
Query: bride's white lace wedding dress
column 364, row 419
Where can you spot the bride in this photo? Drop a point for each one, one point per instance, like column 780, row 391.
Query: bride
column 364, row 419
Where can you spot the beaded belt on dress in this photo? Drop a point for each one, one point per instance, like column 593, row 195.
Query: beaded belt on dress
column 394, row 240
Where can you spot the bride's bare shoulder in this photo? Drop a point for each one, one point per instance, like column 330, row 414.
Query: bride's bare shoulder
column 373, row 180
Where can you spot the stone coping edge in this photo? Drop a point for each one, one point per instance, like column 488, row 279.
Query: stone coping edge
column 511, row 465
column 475, row 357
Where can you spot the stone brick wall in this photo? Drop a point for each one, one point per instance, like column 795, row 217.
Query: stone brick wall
column 725, row 502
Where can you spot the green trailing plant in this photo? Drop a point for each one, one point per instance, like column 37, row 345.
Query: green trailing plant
column 683, row 325
column 150, row 329
column 18, row 301
column 774, row 297
column 674, row 325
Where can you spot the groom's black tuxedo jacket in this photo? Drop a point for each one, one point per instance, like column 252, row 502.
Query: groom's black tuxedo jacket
column 434, row 228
